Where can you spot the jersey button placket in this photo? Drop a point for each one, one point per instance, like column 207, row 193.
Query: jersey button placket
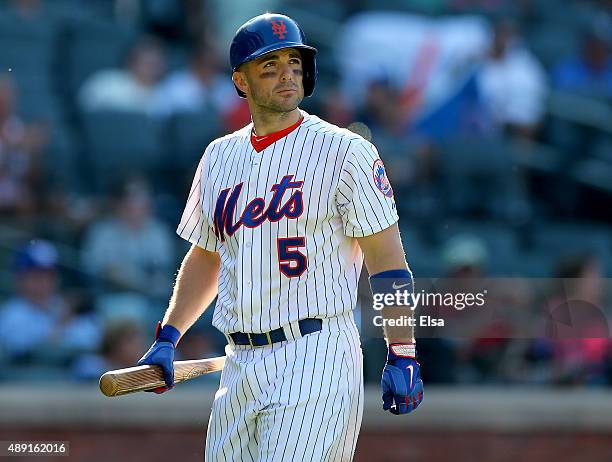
column 256, row 158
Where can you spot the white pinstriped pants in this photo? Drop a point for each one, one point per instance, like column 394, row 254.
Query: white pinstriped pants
column 298, row 400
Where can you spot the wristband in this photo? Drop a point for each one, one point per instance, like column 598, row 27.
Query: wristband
column 167, row 333
column 390, row 282
column 403, row 350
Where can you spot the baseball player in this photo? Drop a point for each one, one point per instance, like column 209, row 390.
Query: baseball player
column 280, row 217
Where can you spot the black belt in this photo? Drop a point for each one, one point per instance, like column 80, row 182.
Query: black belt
column 307, row 326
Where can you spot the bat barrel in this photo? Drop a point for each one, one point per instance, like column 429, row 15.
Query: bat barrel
column 132, row 379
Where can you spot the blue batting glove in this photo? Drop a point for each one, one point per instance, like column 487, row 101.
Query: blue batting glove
column 161, row 354
column 401, row 382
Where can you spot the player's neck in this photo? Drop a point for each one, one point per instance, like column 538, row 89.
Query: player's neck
column 265, row 123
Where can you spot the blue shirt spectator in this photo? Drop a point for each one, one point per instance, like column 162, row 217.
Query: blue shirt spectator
column 38, row 318
column 591, row 72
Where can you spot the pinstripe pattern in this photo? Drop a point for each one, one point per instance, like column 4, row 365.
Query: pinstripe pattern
column 340, row 202
column 299, row 399
column 293, row 401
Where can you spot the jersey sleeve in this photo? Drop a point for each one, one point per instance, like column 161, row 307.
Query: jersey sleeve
column 195, row 226
column 364, row 196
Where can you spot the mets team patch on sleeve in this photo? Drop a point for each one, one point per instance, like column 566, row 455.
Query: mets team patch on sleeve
column 380, row 178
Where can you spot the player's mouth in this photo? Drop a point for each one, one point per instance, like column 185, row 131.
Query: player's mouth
column 287, row 91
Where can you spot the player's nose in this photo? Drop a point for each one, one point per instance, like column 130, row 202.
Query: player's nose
column 286, row 72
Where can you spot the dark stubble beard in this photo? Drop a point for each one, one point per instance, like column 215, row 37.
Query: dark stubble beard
column 270, row 105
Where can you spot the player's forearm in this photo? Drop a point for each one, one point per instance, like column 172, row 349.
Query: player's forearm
column 195, row 288
column 392, row 315
column 384, row 252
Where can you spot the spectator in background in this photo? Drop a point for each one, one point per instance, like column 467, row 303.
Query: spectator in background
column 21, row 145
column 121, row 346
column 387, row 123
column 203, row 342
column 578, row 329
column 130, row 254
column 132, row 88
column 589, row 73
column 198, row 88
column 32, row 318
column 465, row 256
column 38, row 322
column 512, row 83
column 380, row 116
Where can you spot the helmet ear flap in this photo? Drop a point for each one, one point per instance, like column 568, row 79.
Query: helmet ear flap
column 310, row 71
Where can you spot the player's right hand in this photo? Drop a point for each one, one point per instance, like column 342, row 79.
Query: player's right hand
column 161, row 354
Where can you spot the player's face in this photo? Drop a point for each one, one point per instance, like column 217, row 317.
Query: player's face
column 275, row 80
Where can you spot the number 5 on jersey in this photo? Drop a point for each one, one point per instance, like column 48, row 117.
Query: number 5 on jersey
column 292, row 263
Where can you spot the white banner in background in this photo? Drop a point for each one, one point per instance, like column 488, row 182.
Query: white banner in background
column 432, row 56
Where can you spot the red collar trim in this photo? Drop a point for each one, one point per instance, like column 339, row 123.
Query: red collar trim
column 262, row 142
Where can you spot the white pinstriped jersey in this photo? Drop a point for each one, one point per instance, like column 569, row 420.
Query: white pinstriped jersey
column 284, row 220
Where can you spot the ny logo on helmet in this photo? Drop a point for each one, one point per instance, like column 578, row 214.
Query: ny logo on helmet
column 279, row 28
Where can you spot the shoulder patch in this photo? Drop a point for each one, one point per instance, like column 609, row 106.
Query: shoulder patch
column 380, row 178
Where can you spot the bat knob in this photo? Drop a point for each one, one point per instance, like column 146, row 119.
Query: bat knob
column 108, row 385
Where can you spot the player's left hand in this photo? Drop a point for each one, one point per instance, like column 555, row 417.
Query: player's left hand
column 401, row 382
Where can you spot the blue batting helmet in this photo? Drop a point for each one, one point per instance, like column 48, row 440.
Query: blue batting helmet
column 269, row 32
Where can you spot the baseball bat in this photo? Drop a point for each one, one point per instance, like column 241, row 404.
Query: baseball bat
column 139, row 378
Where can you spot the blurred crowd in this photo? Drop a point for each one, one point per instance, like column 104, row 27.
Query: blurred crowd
column 493, row 118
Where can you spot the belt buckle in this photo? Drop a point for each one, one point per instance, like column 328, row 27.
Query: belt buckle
column 268, row 338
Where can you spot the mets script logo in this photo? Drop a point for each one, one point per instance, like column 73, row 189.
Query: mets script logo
column 279, row 28
column 255, row 213
column 380, row 178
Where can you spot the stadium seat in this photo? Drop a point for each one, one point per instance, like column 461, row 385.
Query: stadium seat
column 553, row 42
column 91, row 45
column 566, row 239
column 573, row 237
column 596, row 173
column 567, row 136
column 26, row 54
column 25, row 57
column 119, row 143
column 602, row 149
column 572, row 15
column 25, row 45
column 190, row 133
column 61, row 161
column 479, row 179
column 528, row 264
column 37, row 102
column 422, row 257
column 16, row 26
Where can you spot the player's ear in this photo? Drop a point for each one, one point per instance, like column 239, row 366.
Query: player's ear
column 240, row 81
